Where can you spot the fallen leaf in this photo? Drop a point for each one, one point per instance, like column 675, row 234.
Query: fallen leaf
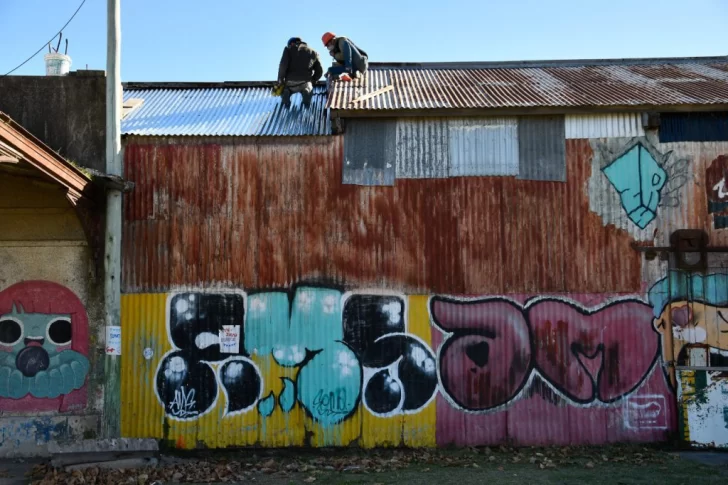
column 310, row 479
column 589, row 464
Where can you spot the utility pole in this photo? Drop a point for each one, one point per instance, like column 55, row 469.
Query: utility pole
column 112, row 259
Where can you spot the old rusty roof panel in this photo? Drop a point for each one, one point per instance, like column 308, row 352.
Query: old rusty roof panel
column 218, row 110
column 670, row 82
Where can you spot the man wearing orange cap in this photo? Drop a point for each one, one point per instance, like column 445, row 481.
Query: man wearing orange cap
column 347, row 54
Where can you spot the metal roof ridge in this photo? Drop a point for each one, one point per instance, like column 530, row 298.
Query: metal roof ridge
column 139, row 85
column 547, row 63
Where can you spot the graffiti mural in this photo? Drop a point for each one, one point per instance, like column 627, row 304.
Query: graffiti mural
column 322, row 366
column 717, row 191
column 635, row 179
column 187, row 382
column 43, row 348
column 400, row 370
column 697, row 307
column 703, row 401
column 638, row 178
column 586, row 355
column 342, row 353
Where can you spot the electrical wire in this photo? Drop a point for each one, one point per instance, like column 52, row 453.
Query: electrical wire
column 44, row 45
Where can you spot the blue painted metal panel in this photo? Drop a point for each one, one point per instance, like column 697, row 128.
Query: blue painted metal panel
column 223, row 111
column 710, row 126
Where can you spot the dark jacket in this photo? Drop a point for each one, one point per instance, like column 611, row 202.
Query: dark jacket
column 300, row 63
column 343, row 51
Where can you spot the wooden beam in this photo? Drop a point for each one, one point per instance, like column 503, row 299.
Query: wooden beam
column 373, row 94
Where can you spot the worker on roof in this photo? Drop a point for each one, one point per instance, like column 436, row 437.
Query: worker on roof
column 348, row 55
column 299, row 69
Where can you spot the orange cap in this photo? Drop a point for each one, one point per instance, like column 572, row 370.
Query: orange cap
column 327, row 37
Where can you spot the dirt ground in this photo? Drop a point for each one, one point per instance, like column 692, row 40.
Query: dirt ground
column 612, row 464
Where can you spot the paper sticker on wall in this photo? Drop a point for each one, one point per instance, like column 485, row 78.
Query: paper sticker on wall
column 113, row 340
column 230, row 339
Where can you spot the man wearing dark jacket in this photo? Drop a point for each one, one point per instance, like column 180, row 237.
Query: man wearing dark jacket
column 299, row 69
column 347, row 54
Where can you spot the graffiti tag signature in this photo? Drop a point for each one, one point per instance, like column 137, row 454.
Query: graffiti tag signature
column 183, row 405
column 330, row 403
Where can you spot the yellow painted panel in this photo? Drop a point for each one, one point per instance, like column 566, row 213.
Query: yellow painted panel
column 27, row 192
column 419, row 428
column 144, row 327
column 416, row 429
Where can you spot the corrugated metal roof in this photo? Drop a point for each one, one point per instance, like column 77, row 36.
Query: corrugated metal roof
column 546, row 84
column 218, row 110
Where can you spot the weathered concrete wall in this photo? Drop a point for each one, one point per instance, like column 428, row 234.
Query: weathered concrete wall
column 67, row 113
column 50, row 319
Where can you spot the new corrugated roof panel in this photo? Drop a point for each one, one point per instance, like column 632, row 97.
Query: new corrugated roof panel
column 223, row 111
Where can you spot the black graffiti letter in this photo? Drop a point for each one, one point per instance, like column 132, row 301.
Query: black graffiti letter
column 186, row 383
column 402, row 371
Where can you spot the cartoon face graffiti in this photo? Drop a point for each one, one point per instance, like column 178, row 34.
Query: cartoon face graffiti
column 716, row 186
column 697, row 307
column 39, row 353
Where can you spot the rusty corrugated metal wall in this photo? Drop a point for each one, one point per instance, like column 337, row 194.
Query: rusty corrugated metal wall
column 268, row 303
column 270, row 215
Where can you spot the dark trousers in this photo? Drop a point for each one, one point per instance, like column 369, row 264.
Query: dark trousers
column 306, row 90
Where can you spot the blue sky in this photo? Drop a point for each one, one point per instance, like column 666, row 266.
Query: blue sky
column 228, row 40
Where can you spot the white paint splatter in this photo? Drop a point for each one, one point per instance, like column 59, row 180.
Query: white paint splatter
column 175, row 366
column 394, row 310
column 305, row 300
column 297, row 354
column 181, row 306
column 329, row 304
column 206, row 339
column 345, row 363
column 706, row 419
column 234, row 370
column 423, row 360
column 257, row 304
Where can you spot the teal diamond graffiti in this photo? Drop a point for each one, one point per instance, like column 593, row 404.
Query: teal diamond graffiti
column 638, row 178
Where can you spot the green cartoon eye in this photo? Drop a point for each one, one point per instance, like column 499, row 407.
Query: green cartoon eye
column 59, row 331
column 11, row 331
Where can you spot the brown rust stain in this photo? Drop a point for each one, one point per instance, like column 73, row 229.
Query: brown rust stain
column 272, row 212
